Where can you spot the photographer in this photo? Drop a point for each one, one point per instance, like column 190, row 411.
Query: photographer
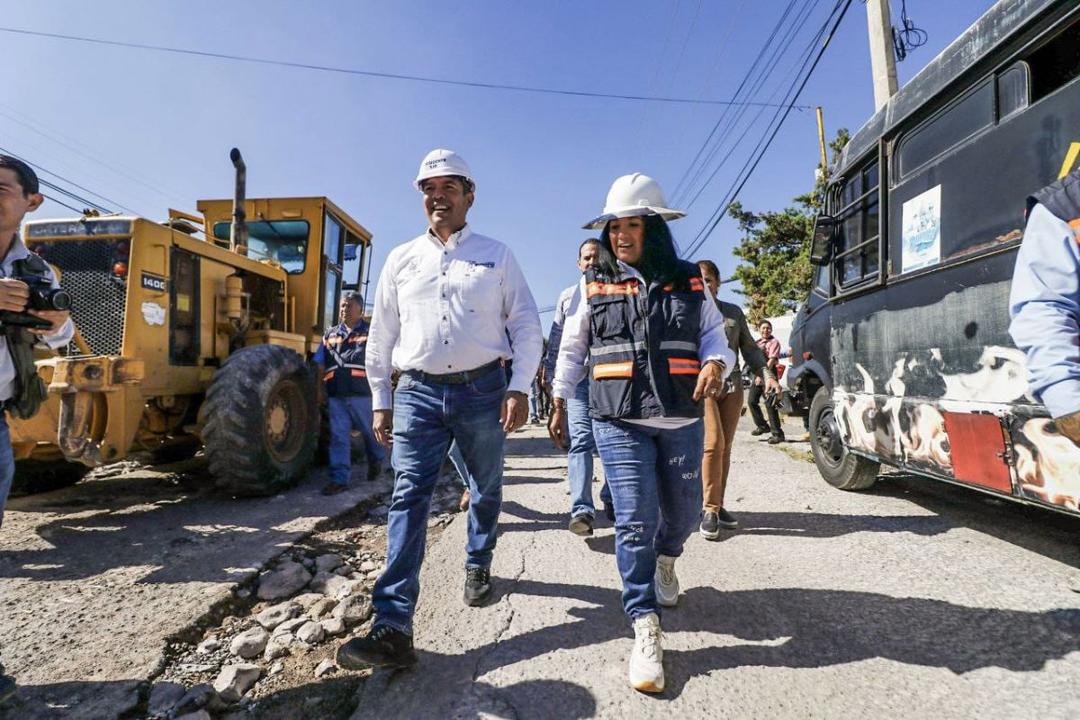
column 19, row 195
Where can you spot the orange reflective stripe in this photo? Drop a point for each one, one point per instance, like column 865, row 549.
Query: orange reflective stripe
column 1075, row 225
column 683, row 366
column 603, row 371
column 697, row 284
column 358, row 338
column 630, row 287
column 328, row 376
column 358, row 373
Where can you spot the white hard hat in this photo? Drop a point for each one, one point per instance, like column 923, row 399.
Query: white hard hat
column 632, row 195
column 441, row 163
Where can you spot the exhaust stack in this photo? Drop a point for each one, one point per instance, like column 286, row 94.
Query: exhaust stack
column 238, row 236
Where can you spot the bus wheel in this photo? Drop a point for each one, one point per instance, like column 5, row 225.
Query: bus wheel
column 840, row 468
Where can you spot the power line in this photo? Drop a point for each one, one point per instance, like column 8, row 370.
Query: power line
column 730, row 197
column 61, row 202
column 70, row 182
column 77, row 198
column 372, row 73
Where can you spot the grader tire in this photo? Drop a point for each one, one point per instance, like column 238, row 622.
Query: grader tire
column 38, row 476
column 261, row 421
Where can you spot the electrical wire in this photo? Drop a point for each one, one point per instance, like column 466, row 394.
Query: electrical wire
column 61, row 202
column 70, row 182
column 370, row 73
column 907, row 37
column 731, row 196
column 738, row 91
column 763, row 77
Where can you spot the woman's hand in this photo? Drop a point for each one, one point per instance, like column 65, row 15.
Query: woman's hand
column 557, row 425
column 710, row 381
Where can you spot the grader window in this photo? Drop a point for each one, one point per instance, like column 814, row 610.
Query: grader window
column 283, row 241
column 184, row 313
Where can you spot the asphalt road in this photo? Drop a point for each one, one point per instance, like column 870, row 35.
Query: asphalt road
column 911, row 600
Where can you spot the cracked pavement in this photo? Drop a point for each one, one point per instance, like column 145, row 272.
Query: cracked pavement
column 914, row 599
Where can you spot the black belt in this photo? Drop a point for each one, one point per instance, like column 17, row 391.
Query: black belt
column 456, row 378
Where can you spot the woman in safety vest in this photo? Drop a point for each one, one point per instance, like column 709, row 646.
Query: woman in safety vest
column 656, row 345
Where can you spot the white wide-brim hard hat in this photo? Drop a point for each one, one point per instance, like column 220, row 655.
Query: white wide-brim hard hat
column 633, row 195
column 442, row 163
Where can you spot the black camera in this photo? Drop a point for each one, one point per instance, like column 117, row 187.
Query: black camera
column 33, row 271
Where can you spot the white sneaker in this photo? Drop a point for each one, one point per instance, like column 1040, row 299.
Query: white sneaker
column 647, row 659
column 667, row 583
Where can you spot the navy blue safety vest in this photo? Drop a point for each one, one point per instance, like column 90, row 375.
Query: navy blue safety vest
column 343, row 350
column 644, row 345
column 1062, row 199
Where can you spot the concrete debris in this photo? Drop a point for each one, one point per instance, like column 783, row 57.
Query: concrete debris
column 163, row 697
column 322, row 608
column 235, row 680
column 274, row 615
column 275, row 669
column 306, row 600
column 277, row 646
column 367, row 566
column 330, row 584
column 208, row 646
column 288, row 579
column 289, row 626
column 353, row 610
column 328, row 562
column 311, row 633
column 196, row 698
column 249, row 643
column 325, row 668
column 333, row 626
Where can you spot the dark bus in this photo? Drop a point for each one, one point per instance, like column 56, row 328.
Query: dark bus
column 901, row 354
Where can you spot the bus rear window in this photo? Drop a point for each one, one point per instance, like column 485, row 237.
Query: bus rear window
column 1056, row 63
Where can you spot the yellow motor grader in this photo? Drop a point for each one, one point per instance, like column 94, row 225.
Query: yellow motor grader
column 197, row 329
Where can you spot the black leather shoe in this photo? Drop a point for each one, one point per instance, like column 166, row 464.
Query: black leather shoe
column 777, row 439
column 477, row 586
column 333, row 488
column 382, row 647
column 726, row 520
column 374, row 470
column 758, row 431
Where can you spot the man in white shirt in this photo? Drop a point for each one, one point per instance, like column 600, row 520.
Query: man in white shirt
column 451, row 309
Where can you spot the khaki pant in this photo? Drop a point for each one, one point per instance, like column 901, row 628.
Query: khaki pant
column 721, row 419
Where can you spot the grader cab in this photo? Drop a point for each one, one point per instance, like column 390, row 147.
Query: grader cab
column 197, row 330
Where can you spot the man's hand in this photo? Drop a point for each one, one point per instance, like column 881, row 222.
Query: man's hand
column 1069, row 426
column 13, row 295
column 710, row 382
column 383, row 425
column 56, row 317
column 772, row 385
column 557, row 425
column 515, row 411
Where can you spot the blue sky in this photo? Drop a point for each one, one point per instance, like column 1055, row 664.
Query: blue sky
column 152, row 130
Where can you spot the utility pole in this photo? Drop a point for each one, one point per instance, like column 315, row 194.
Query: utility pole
column 882, row 56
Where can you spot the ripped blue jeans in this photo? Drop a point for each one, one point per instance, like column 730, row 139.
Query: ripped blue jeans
column 655, row 481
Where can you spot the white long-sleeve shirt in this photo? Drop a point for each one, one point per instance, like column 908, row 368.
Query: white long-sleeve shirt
column 444, row 308
column 574, row 348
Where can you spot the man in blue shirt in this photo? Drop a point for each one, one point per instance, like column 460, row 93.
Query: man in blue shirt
column 1045, row 301
column 341, row 364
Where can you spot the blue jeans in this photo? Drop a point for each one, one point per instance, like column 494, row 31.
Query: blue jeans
column 579, row 460
column 7, row 464
column 459, row 464
column 348, row 413
column 655, row 480
column 427, row 416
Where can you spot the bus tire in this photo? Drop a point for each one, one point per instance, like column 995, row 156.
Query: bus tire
column 261, row 421
column 841, row 469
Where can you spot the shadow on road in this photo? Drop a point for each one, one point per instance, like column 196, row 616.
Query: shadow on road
column 1039, row 530
column 784, row 627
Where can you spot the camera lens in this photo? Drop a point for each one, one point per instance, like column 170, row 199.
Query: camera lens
column 59, row 299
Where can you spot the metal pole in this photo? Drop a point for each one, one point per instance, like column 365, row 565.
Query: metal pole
column 882, row 55
column 821, row 140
